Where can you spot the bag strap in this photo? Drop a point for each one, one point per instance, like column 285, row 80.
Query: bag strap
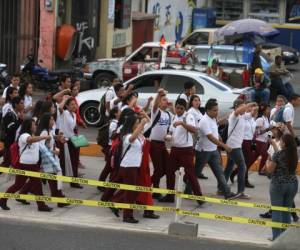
column 157, row 117
column 23, row 150
column 126, row 151
column 170, row 121
column 233, row 128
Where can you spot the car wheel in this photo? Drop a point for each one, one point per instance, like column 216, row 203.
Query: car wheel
column 103, row 80
column 90, row 113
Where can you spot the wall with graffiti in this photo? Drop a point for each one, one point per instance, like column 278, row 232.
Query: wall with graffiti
column 173, row 17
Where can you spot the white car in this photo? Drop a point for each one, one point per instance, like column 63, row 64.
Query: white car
column 171, row 80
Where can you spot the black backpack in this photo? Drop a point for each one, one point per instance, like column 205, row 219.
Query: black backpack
column 116, row 151
column 103, row 135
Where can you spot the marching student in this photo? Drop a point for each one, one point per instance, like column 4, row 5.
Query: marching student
column 280, row 102
column 262, row 138
column 207, row 147
column 10, row 94
column 160, row 125
column 29, row 157
column 25, row 92
column 14, row 83
column 130, row 163
column 236, row 132
column 114, row 116
column 182, row 151
column 10, row 124
column 189, row 90
column 67, row 113
column 111, row 94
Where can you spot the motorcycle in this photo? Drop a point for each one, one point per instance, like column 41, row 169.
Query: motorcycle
column 4, row 77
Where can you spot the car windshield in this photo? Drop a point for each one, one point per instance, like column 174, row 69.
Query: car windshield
column 217, row 83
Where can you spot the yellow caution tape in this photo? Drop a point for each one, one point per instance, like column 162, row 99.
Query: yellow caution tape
column 91, row 182
column 93, row 203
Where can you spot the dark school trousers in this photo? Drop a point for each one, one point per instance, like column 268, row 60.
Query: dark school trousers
column 182, row 157
column 128, row 175
column 74, row 156
column 107, row 168
column 160, row 157
column 34, row 184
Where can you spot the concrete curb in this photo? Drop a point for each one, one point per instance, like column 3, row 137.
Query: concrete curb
column 289, row 240
column 95, row 150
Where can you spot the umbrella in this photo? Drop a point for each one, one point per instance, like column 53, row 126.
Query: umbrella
column 247, row 26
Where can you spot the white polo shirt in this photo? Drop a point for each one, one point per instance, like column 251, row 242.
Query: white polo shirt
column 263, row 123
column 160, row 130
column 133, row 157
column 110, row 95
column 67, row 123
column 250, row 126
column 113, row 105
column 289, row 113
column 181, row 138
column 236, row 130
column 6, row 108
column 27, row 101
column 31, row 153
column 196, row 114
column 207, row 126
column 184, row 97
column 112, row 128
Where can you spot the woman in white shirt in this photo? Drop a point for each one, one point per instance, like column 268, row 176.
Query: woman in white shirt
column 68, row 153
column 262, row 138
column 132, row 151
column 29, row 157
column 25, row 92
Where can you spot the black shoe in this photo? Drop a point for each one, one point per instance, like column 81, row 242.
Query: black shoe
column 156, row 196
column 24, row 202
column 266, row 215
column 150, row 215
column 187, row 190
column 200, row 203
column 295, row 217
column 230, row 196
column 61, row 205
column 202, row 176
column 4, row 207
column 76, row 185
column 168, row 198
column 115, row 211
column 130, row 220
column 101, row 189
column 249, row 185
column 45, row 209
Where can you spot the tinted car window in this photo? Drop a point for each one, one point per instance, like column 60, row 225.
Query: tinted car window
column 217, row 83
column 198, row 38
column 174, row 84
column 147, row 84
column 152, row 53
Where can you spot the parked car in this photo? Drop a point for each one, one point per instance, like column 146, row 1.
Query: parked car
column 171, row 80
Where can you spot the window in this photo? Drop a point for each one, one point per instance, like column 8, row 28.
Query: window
column 228, row 55
column 229, row 9
column 197, row 38
column 174, row 84
column 265, row 10
column 293, row 11
column 147, row 54
column 122, row 14
column 202, row 54
column 216, row 83
column 147, row 84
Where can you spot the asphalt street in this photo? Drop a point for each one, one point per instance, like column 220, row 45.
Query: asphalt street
column 16, row 235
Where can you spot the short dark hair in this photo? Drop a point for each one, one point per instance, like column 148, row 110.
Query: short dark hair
column 188, row 85
column 294, row 97
column 16, row 100
column 211, row 103
column 181, row 102
column 9, row 91
column 16, row 74
column 118, row 86
column 64, row 77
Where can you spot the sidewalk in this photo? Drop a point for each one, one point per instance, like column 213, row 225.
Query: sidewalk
column 102, row 217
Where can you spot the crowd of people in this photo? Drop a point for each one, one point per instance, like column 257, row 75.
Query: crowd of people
column 43, row 133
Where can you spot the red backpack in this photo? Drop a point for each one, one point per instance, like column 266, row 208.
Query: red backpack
column 14, row 153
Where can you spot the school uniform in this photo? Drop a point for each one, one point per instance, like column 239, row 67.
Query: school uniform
column 236, row 131
column 129, row 172
column 29, row 157
column 109, row 96
column 262, row 144
column 107, row 169
column 67, row 127
column 182, row 153
column 289, row 113
column 158, row 150
column 7, row 107
column 207, row 153
column 27, row 101
column 184, row 97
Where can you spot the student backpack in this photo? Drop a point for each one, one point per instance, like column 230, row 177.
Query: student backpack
column 14, row 153
column 116, row 152
column 103, row 135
